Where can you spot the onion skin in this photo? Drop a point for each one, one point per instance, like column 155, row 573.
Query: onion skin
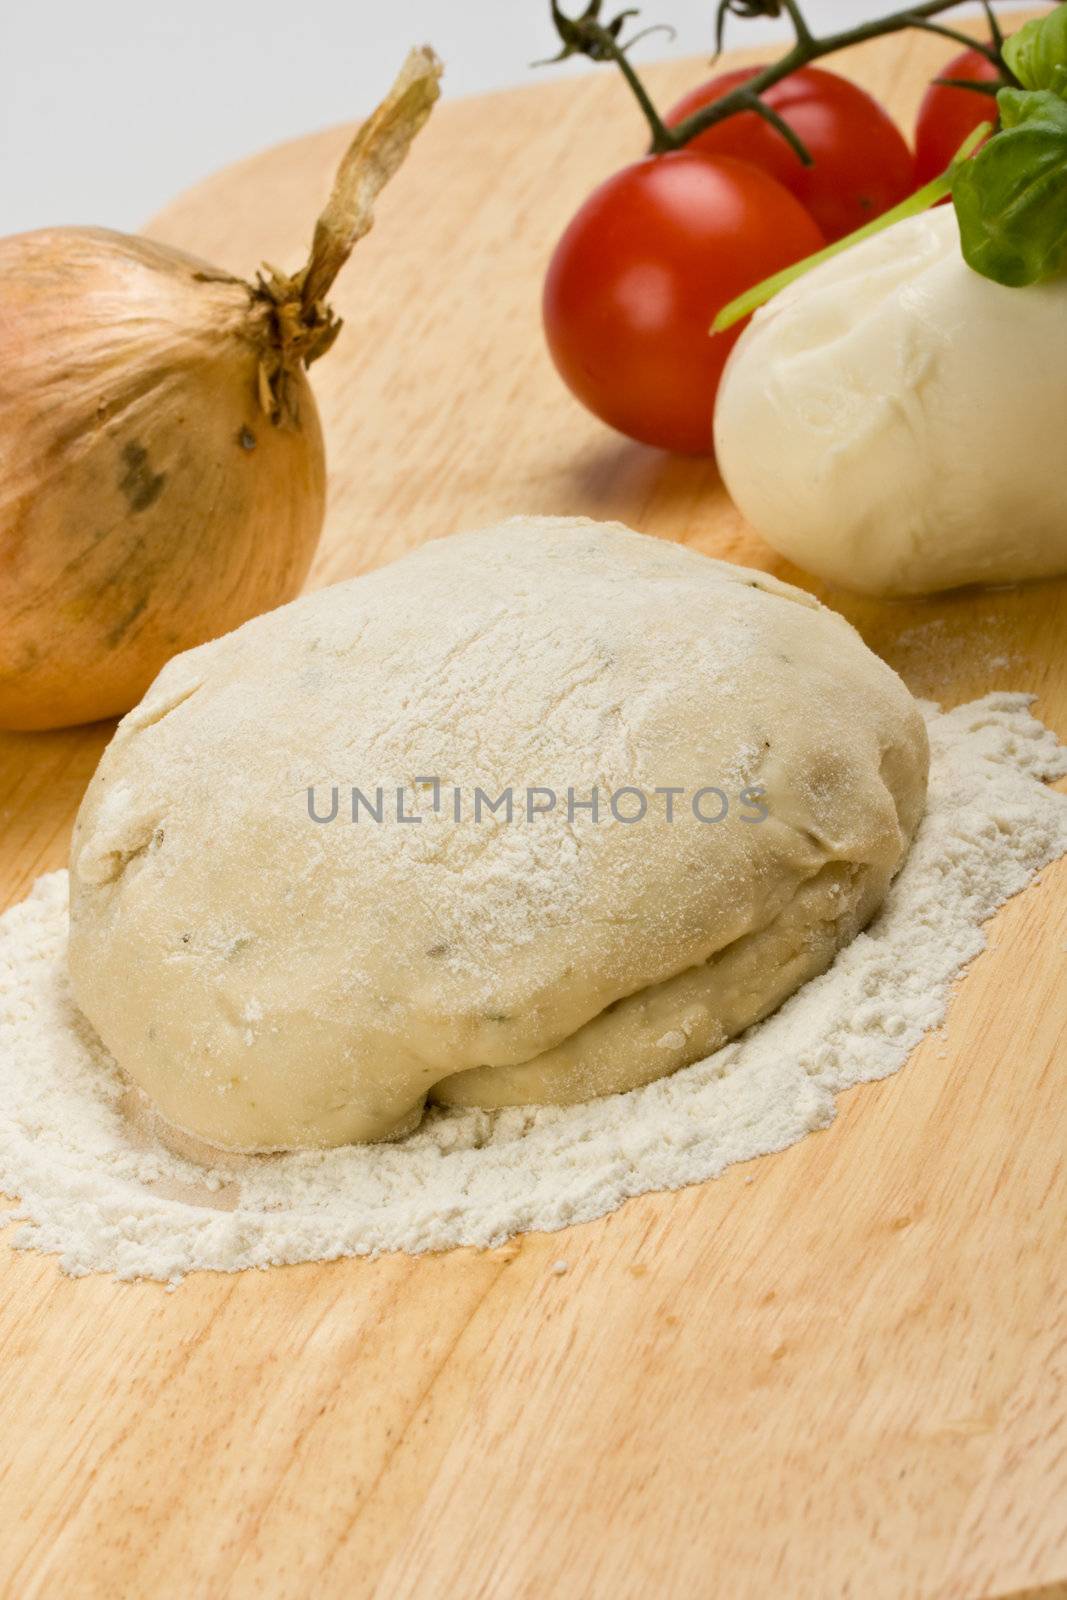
column 162, row 476
column 147, row 501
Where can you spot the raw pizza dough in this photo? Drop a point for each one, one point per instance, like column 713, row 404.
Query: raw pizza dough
column 272, row 982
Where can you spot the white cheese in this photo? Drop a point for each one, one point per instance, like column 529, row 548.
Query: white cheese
column 896, row 423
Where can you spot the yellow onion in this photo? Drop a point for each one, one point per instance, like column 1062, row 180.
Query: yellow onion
column 162, row 476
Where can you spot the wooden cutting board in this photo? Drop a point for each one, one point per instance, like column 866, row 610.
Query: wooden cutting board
column 839, row 1371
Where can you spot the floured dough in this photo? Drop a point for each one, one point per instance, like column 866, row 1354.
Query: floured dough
column 273, row 982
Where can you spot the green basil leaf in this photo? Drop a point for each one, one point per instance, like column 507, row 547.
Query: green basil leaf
column 1020, row 106
column 1011, row 199
column 1037, row 54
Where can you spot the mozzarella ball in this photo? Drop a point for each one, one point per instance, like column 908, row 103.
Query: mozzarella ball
column 895, row 423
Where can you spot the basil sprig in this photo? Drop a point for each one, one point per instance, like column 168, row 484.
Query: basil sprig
column 1011, row 198
column 1037, row 54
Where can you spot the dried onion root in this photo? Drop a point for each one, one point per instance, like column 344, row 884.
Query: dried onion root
column 162, row 475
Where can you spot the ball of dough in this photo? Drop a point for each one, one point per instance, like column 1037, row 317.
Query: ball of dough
column 274, row 982
column 894, row 422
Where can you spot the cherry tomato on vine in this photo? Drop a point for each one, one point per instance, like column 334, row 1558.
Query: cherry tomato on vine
column 639, row 274
column 947, row 116
column 862, row 164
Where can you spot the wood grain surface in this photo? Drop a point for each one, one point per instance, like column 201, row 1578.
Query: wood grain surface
column 839, row 1371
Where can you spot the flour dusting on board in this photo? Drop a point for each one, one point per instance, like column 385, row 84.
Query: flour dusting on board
column 104, row 1198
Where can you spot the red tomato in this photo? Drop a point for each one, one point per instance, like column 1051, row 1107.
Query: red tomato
column 862, row 165
column 947, row 116
column 641, row 271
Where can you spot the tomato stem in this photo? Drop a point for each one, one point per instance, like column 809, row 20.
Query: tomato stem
column 800, row 23
column 662, row 138
column 972, row 85
column 995, row 32
column 990, row 51
column 913, row 206
column 763, row 109
column 601, row 41
column 808, row 48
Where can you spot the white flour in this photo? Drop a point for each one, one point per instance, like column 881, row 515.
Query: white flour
column 105, row 1199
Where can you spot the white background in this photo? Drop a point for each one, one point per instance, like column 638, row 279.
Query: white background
column 109, row 107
